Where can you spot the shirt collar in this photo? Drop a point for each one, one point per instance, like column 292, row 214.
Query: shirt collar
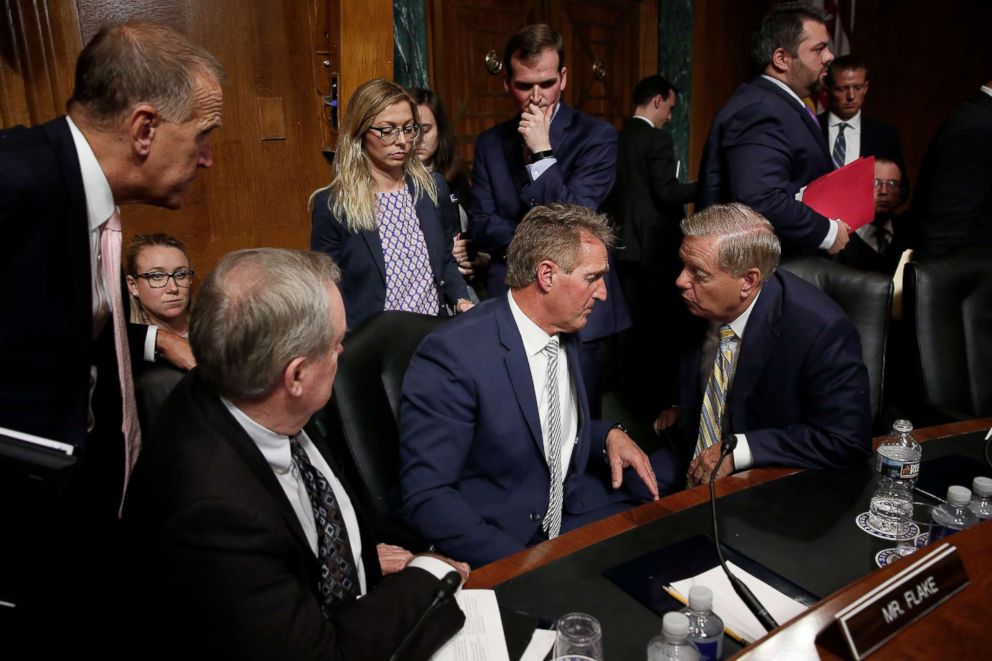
column 986, row 89
column 786, row 88
column 854, row 123
column 643, row 118
column 740, row 323
column 274, row 447
column 533, row 337
column 99, row 198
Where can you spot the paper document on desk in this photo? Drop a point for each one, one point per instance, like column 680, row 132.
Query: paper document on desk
column 481, row 639
column 731, row 609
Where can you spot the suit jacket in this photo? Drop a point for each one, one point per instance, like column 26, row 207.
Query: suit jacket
column 502, row 193
column 859, row 254
column 953, row 200
column 647, row 199
column 800, row 389
column 473, row 473
column 361, row 259
column 762, row 148
column 220, row 562
column 877, row 139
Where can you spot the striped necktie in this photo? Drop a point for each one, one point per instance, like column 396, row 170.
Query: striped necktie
column 840, row 145
column 552, row 518
column 711, row 418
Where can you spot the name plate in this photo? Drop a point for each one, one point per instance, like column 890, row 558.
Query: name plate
column 871, row 621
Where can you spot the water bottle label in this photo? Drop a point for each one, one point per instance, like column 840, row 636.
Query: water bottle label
column 899, row 470
column 708, row 649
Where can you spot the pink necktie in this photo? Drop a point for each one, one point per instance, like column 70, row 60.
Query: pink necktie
column 110, row 258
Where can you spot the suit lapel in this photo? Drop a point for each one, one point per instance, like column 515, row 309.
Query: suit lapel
column 518, row 369
column 425, row 214
column 374, row 244
column 804, row 114
column 571, row 344
column 513, row 151
column 560, row 126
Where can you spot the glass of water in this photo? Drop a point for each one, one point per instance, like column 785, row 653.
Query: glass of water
column 922, row 513
column 580, row 638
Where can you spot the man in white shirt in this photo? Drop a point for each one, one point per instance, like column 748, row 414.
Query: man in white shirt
column 245, row 541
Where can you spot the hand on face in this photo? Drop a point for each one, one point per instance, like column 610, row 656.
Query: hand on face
column 535, row 127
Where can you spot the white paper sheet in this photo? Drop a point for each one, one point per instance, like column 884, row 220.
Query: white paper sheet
column 481, row 639
column 540, row 644
column 731, row 609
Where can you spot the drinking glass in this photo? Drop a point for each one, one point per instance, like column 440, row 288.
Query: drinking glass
column 580, row 638
column 922, row 513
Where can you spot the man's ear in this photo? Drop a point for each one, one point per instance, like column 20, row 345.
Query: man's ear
column 293, row 378
column 750, row 281
column 142, row 125
column 781, row 60
column 546, row 272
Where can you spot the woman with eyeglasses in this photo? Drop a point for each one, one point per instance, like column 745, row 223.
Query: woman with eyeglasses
column 159, row 280
column 380, row 218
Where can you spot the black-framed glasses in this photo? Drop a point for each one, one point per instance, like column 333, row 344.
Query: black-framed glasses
column 891, row 184
column 390, row 134
column 158, row 279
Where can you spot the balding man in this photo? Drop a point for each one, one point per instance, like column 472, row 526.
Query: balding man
column 243, row 536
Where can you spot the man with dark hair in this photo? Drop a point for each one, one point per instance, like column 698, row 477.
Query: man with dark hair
column 498, row 449
column 549, row 153
column 647, row 204
column 243, row 537
column 765, row 144
column 952, row 207
column 138, row 128
column 778, row 366
column 878, row 245
column 848, row 132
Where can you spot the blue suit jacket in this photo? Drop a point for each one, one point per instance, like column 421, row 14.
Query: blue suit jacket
column 361, row 259
column 502, row 193
column 473, row 472
column 800, row 392
column 762, row 148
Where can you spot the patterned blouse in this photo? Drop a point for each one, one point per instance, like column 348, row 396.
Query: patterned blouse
column 409, row 280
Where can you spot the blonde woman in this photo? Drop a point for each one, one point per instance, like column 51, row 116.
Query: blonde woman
column 380, row 218
column 159, row 280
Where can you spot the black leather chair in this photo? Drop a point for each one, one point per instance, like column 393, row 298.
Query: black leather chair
column 948, row 304
column 362, row 417
column 866, row 297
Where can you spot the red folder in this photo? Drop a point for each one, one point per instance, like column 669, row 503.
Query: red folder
column 847, row 193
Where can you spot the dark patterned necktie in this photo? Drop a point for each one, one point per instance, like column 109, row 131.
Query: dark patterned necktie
column 840, row 145
column 338, row 573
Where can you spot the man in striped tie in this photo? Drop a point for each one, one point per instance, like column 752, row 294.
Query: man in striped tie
column 778, row 365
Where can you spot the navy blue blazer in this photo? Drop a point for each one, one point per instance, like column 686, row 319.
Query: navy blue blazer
column 502, row 193
column 363, row 266
column 800, row 392
column 473, row 473
column 762, row 148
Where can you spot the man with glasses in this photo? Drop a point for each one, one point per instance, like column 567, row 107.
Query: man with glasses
column 879, row 245
column 549, row 153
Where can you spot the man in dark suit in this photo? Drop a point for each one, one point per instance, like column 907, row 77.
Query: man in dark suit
column 144, row 104
column 878, row 245
column 648, row 204
column 952, row 206
column 548, row 153
column 244, row 542
column 498, row 450
column 765, row 144
column 779, row 365
column 849, row 133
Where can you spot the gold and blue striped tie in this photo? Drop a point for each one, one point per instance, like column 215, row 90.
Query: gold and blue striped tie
column 711, row 418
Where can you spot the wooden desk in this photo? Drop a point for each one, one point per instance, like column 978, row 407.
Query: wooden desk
column 536, row 580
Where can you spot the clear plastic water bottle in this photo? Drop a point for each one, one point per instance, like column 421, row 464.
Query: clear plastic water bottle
column 981, row 498
column 953, row 515
column 673, row 643
column 897, row 462
column 705, row 626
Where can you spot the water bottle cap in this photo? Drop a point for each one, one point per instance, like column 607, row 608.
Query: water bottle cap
column 700, row 598
column 958, row 496
column 902, row 426
column 982, row 486
column 675, row 625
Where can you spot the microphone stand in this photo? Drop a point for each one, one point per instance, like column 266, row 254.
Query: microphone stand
column 449, row 584
column 764, row 617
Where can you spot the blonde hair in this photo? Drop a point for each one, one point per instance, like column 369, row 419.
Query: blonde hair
column 352, row 198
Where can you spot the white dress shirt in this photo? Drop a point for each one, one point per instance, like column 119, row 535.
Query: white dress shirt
column 645, row 119
column 742, row 453
column 852, row 135
column 534, row 340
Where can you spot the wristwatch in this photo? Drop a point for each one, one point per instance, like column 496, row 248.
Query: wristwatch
column 616, row 425
column 541, row 155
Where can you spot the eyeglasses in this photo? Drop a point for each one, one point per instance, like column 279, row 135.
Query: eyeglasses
column 390, row 134
column 889, row 183
column 158, row 279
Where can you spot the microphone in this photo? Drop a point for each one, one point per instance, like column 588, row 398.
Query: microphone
column 449, row 585
column 727, row 446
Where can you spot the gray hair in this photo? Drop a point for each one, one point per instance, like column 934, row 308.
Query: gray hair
column 747, row 239
column 129, row 63
column 258, row 310
column 552, row 232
